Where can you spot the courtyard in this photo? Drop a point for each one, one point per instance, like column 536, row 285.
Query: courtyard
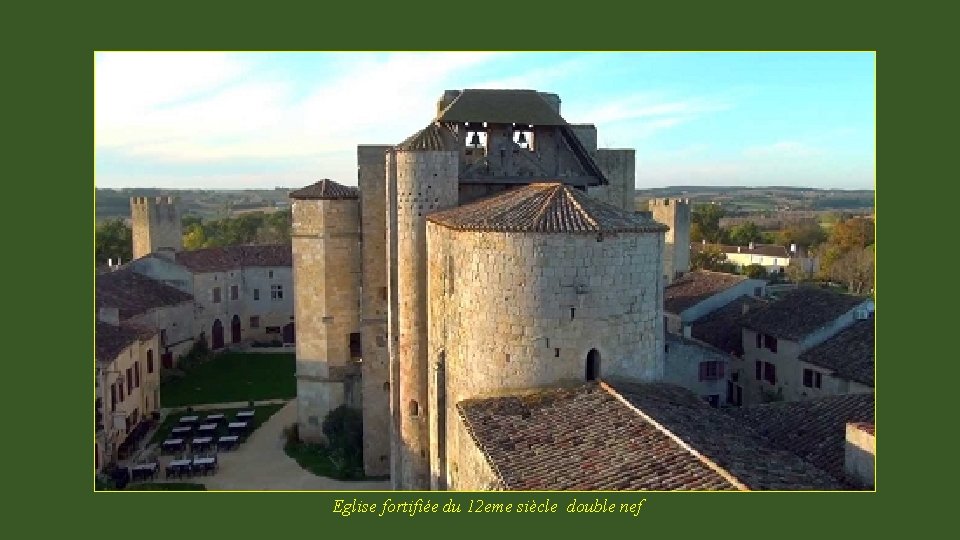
column 232, row 377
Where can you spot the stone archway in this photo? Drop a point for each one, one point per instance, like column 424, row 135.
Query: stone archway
column 217, row 335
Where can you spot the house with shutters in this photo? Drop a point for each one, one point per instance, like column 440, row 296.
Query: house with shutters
column 777, row 335
column 127, row 386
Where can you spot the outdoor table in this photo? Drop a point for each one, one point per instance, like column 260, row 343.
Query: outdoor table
column 205, row 464
column 215, row 418
column 182, row 430
column 176, row 444
column 227, row 442
column 245, row 414
column 207, row 427
column 188, row 419
column 199, row 443
column 144, row 470
column 237, row 425
column 178, row 467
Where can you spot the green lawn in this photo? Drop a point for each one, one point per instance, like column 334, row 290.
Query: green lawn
column 233, row 377
column 260, row 416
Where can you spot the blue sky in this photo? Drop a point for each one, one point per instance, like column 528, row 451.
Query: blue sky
column 261, row 120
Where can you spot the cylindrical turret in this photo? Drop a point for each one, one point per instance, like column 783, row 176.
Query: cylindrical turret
column 427, row 180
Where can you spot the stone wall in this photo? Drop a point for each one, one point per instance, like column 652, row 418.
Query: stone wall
column 682, row 366
column 515, row 311
column 177, row 324
column 426, row 181
column 155, row 225
column 326, row 270
column 469, row 468
column 860, row 453
column 620, row 168
column 674, row 213
column 373, row 310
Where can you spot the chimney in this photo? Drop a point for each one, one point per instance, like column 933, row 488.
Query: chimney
column 793, row 248
column 738, row 249
column 109, row 315
column 687, row 331
column 110, row 262
column 860, row 453
column 751, row 246
column 704, row 241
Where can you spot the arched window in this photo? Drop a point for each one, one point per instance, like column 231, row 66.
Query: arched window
column 592, row 371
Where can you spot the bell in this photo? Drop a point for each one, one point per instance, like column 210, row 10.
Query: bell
column 475, row 140
column 522, row 139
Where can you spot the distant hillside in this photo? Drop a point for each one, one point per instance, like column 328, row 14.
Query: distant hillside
column 206, row 204
column 759, row 200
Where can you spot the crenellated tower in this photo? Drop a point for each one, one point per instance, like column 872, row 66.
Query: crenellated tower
column 156, row 225
column 674, row 213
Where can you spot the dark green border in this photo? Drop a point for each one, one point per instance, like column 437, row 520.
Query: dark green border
column 49, row 90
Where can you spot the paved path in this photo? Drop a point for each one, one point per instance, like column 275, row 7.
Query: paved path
column 261, row 464
column 227, row 405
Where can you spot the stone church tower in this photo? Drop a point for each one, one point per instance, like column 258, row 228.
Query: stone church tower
column 326, row 281
column 156, row 225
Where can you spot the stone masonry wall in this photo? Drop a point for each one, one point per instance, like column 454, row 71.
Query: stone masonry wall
column 326, row 275
column 155, row 225
column 512, row 311
column 371, row 178
column 426, row 181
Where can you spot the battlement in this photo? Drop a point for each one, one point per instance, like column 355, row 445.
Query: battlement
column 154, row 201
column 156, row 224
column 669, row 202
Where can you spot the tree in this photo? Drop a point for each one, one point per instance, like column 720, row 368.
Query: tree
column 711, row 258
column 706, row 218
column 805, row 234
column 743, row 234
column 755, row 271
column 114, row 240
column 194, row 237
column 852, row 233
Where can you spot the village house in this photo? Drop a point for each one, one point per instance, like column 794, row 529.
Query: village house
column 775, row 259
column 775, row 335
column 148, row 303
column 241, row 293
column 700, row 292
column 127, row 386
column 842, row 364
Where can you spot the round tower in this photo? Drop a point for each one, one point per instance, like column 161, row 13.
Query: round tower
column 156, row 225
column 427, row 172
column 540, row 286
column 326, row 284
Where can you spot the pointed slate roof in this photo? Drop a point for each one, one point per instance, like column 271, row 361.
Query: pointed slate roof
column 325, row 189
column 435, row 136
column 547, row 207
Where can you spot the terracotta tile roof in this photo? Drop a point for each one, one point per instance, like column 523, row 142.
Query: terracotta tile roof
column 134, row 294
column 813, row 429
column 501, row 107
column 112, row 340
column 653, row 436
column 695, row 287
column 769, row 250
column 731, row 444
column 436, row 136
column 849, row 353
column 548, row 207
column 235, row 257
column 800, row 312
column 325, row 189
column 723, row 328
column 580, row 439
